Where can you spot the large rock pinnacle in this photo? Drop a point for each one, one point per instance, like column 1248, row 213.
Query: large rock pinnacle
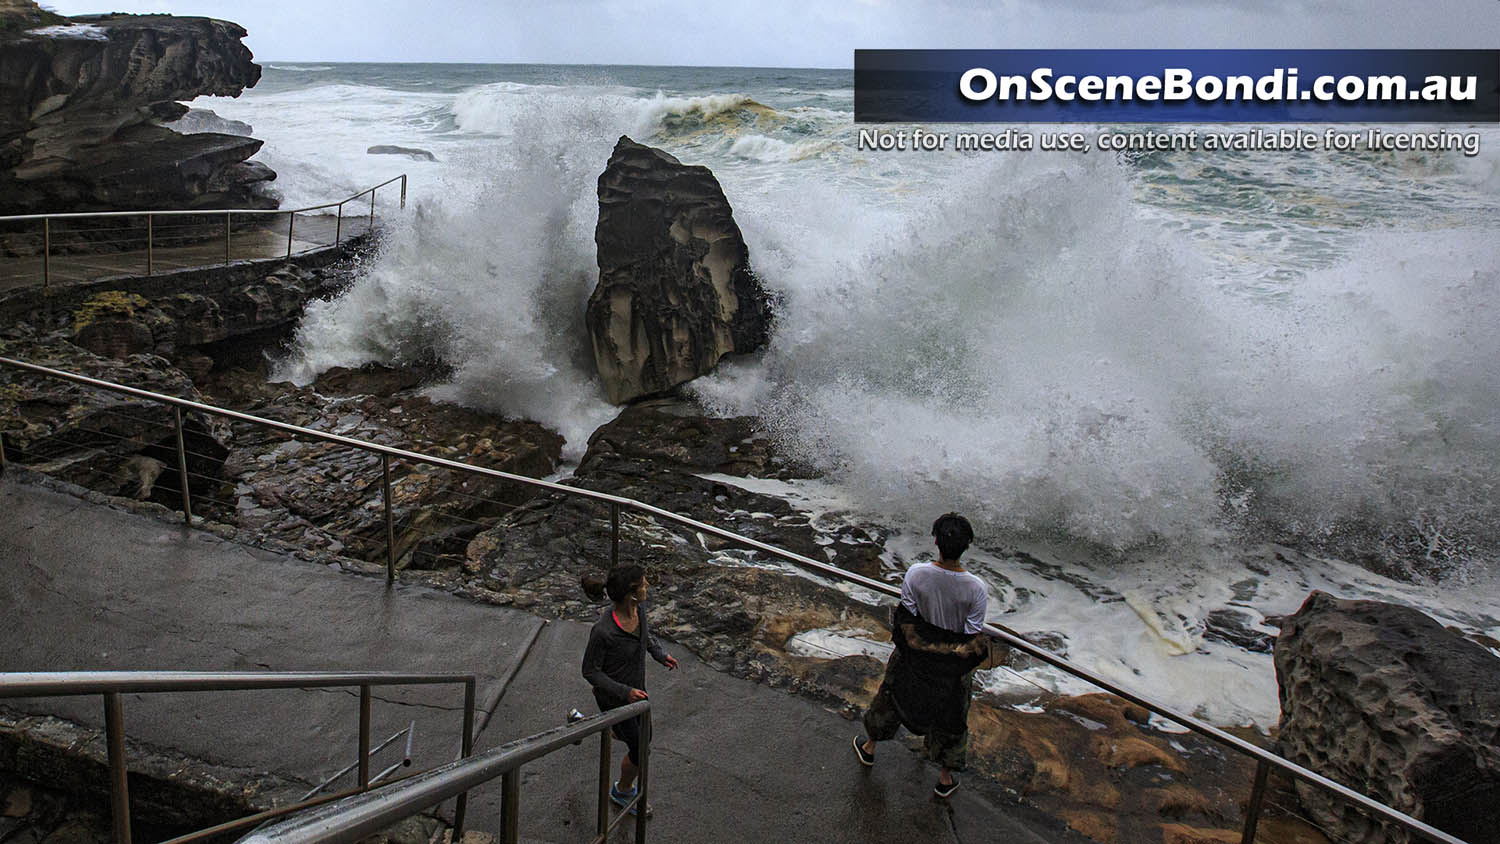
column 675, row 290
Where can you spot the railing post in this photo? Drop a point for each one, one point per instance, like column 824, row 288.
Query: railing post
column 46, row 251
column 1257, row 797
column 119, row 794
column 182, row 470
column 403, row 191
column 642, row 778
column 371, row 224
column 291, row 222
column 614, row 534
column 226, row 237
column 149, row 255
column 606, row 774
column 390, row 524
column 510, row 807
column 466, row 748
column 338, row 227
column 364, row 735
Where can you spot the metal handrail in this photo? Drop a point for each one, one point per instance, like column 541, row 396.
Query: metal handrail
column 1265, row 760
column 112, row 684
column 202, row 212
column 357, row 817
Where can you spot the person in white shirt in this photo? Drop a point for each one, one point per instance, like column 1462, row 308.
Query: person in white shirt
column 939, row 639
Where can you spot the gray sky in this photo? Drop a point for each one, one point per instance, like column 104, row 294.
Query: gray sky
column 804, row 33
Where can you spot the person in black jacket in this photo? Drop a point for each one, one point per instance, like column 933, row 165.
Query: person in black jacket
column 937, row 630
column 614, row 663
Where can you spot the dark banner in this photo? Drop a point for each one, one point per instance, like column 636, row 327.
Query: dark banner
column 1176, row 86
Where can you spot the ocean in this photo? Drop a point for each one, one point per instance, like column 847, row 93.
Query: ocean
column 1173, row 390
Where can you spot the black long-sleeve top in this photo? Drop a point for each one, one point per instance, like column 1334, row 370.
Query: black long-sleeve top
column 615, row 661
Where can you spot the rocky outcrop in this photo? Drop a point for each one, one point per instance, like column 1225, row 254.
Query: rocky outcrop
column 1385, row 700
column 81, row 108
column 675, row 290
column 103, row 440
column 675, row 434
column 200, row 331
column 58, row 777
column 318, row 495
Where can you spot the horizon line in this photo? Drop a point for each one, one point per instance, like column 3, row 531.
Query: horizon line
column 849, row 68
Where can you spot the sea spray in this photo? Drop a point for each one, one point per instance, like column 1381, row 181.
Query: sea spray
column 1028, row 349
column 493, row 286
column 1125, row 352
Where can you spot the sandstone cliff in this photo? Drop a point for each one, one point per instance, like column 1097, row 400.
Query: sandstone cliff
column 81, row 108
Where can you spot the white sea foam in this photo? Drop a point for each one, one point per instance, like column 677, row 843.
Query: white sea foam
column 491, row 281
column 762, row 148
column 80, row 31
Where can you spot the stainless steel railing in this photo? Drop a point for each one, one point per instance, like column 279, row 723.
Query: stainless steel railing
column 229, row 215
column 1265, row 760
column 112, row 684
column 356, row 817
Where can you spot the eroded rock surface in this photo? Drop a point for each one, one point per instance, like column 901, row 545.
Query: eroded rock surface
column 675, row 290
column 82, row 105
column 325, row 496
column 1385, row 700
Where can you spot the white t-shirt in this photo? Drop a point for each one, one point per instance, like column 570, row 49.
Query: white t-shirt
column 952, row 600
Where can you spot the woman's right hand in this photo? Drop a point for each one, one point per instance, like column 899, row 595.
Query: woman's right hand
column 637, row 694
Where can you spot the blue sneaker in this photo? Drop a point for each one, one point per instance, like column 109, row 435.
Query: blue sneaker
column 623, row 798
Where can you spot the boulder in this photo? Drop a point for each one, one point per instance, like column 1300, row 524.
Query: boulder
column 675, row 290
column 1383, row 699
column 82, row 103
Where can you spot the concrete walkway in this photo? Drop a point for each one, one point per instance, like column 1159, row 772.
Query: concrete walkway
column 90, row 587
column 311, row 232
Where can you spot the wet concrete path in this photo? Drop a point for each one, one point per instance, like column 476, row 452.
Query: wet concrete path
column 90, row 587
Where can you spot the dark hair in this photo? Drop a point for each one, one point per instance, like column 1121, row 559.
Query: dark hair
column 622, row 580
column 953, row 533
column 593, row 585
